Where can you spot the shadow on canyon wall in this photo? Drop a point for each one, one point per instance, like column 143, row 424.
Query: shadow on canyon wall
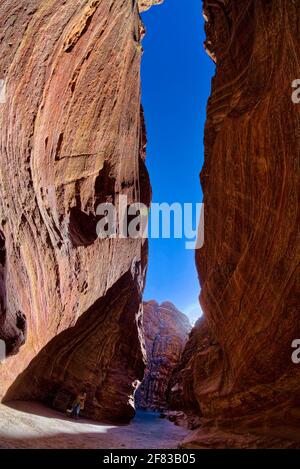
column 81, row 357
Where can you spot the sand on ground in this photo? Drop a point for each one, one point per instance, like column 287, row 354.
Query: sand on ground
column 32, row 425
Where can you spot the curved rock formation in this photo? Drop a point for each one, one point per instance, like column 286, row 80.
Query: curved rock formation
column 166, row 332
column 237, row 371
column 72, row 136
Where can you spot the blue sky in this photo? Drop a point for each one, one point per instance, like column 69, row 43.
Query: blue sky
column 176, row 80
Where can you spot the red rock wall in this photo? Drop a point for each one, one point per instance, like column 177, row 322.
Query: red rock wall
column 146, row 4
column 237, row 370
column 71, row 136
column 166, row 332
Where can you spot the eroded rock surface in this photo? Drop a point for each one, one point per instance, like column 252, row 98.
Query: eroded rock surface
column 146, row 4
column 72, row 136
column 237, row 371
column 166, row 332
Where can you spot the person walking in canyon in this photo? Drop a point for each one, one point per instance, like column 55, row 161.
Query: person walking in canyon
column 78, row 404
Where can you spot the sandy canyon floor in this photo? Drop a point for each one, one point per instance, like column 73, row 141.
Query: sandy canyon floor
column 32, row 425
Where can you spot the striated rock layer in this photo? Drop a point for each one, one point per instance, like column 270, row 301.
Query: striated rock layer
column 236, row 370
column 146, row 4
column 166, row 332
column 72, row 136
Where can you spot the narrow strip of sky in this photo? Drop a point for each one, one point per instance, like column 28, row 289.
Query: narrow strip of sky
column 176, row 83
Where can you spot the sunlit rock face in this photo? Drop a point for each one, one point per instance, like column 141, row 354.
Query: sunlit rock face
column 71, row 137
column 146, row 4
column 237, row 371
column 166, row 332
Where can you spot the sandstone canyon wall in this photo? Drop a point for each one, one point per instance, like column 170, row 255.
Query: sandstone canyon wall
column 166, row 332
column 72, row 136
column 236, row 371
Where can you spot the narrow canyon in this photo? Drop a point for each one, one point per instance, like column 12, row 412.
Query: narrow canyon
column 72, row 136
